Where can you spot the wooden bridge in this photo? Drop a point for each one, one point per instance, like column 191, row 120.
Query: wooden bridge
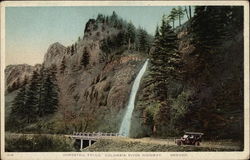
column 92, row 137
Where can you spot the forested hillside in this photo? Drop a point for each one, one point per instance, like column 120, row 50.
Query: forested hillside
column 194, row 80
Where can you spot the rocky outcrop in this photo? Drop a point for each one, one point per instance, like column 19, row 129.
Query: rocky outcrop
column 16, row 75
column 90, row 96
column 54, row 55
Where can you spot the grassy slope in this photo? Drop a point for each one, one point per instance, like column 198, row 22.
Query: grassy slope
column 160, row 145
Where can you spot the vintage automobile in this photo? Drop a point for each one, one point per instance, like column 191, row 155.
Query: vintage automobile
column 190, row 138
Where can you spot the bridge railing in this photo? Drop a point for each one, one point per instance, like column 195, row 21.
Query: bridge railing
column 95, row 135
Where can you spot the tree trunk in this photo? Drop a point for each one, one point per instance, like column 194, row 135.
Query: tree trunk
column 154, row 130
column 173, row 24
column 190, row 14
column 129, row 44
column 186, row 12
column 86, row 126
column 179, row 20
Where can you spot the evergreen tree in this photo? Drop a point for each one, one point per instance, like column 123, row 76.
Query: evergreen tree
column 62, row 65
column 130, row 34
column 114, row 19
column 120, row 39
column 50, row 94
column 104, row 46
column 180, row 13
column 186, row 10
column 72, row 49
column 165, row 59
column 190, row 11
column 75, row 47
column 85, row 58
column 68, row 50
column 164, row 68
column 100, row 18
column 236, row 19
column 41, row 99
column 17, row 116
column 25, row 81
column 19, row 104
column 173, row 15
column 32, row 98
column 143, row 41
column 210, row 27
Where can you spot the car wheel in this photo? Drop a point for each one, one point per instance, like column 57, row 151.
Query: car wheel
column 178, row 143
column 197, row 143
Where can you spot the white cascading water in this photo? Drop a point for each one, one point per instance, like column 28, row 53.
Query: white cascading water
column 126, row 122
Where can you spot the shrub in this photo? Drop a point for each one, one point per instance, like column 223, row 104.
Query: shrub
column 38, row 143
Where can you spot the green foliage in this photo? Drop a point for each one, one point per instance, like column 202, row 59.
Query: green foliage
column 38, row 143
column 31, row 99
column 151, row 113
column 197, row 96
column 179, row 108
column 128, row 36
column 165, row 67
column 100, row 18
column 180, row 13
column 212, row 25
column 17, row 111
column 37, row 99
column 173, row 15
column 143, row 41
column 177, row 14
column 49, row 93
column 165, row 59
column 213, row 28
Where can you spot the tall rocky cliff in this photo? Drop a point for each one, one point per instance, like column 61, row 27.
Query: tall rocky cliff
column 92, row 96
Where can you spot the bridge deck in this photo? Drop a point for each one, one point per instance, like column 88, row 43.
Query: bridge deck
column 93, row 136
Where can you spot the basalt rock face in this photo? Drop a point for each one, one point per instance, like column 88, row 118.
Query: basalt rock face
column 16, row 75
column 92, row 97
column 54, row 54
column 216, row 87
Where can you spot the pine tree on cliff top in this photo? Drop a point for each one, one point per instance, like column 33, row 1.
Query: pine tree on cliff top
column 130, row 34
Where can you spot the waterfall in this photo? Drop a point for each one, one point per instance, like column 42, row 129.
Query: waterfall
column 126, row 122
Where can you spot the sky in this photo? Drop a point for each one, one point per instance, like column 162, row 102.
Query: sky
column 30, row 30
